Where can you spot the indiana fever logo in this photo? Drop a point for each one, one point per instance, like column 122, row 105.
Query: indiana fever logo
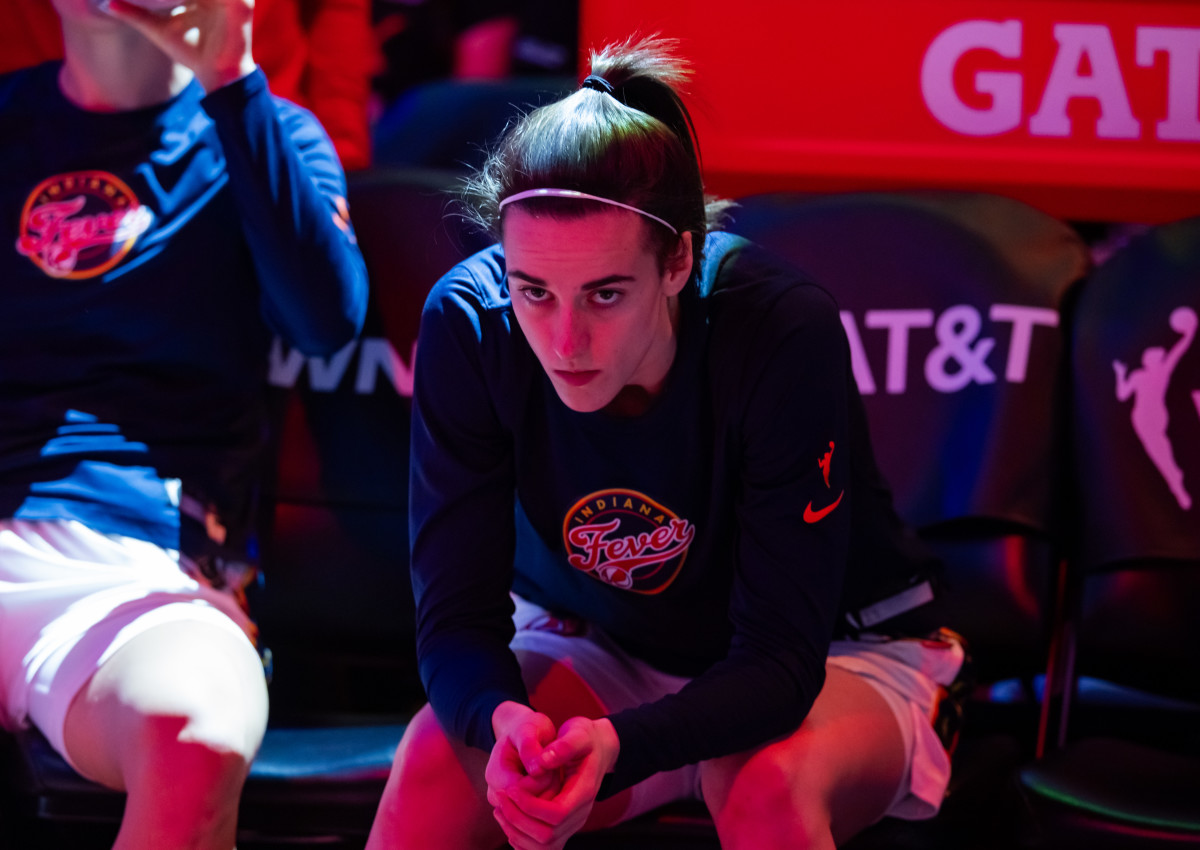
column 80, row 225
column 627, row 540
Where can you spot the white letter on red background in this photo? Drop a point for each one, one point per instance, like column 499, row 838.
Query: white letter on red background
column 1105, row 84
column 1182, row 46
column 937, row 78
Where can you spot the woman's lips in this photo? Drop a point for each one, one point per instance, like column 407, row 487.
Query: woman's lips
column 576, row 379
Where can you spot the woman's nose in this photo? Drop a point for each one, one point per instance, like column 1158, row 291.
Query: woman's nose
column 571, row 337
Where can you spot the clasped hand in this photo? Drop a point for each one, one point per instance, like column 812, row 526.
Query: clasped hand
column 543, row 782
column 211, row 37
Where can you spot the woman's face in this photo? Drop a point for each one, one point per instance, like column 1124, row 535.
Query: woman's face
column 593, row 302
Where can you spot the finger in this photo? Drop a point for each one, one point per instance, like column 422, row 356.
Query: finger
column 545, row 784
column 504, row 762
column 568, row 749
column 552, row 810
column 494, row 797
column 499, row 784
column 533, row 735
column 572, row 801
column 547, row 835
column 533, row 828
column 544, row 839
column 545, row 809
column 516, row 839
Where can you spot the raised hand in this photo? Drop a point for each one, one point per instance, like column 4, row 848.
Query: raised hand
column 211, row 37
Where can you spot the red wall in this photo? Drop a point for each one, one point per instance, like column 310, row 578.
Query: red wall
column 1088, row 110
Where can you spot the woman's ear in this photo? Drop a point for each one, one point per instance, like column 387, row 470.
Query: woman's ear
column 678, row 267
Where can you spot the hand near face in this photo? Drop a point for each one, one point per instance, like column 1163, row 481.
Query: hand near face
column 211, row 37
column 552, row 801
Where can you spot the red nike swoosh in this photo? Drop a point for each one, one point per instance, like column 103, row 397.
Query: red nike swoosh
column 816, row 516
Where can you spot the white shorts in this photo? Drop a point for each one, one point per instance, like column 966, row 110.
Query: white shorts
column 909, row 674
column 69, row 598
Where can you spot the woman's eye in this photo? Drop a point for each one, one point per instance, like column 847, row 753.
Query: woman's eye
column 534, row 293
column 606, row 296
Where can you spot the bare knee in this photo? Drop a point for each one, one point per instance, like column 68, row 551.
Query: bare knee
column 760, row 800
column 184, row 701
column 174, row 718
column 435, row 795
column 833, row 776
column 223, row 728
column 427, row 758
column 183, row 790
column 205, row 758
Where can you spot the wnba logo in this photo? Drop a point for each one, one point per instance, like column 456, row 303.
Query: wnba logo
column 80, row 225
column 1147, row 385
column 625, row 539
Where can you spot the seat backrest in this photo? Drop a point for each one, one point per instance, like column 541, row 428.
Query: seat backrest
column 1135, row 367
column 950, row 305
column 1135, row 437
column 449, row 124
column 335, row 545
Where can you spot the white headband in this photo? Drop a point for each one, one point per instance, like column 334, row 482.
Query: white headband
column 583, row 196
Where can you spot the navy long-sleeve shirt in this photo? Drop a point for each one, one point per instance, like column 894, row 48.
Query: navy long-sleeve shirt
column 147, row 258
column 709, row 536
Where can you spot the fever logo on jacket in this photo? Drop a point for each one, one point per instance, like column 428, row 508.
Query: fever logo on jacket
column 626, row 539
column 81, row 224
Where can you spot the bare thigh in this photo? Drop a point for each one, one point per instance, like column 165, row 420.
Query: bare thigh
column 837, row 773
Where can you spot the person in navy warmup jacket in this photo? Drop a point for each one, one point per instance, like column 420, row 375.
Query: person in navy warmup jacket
column 646, row 522
column 164, row 217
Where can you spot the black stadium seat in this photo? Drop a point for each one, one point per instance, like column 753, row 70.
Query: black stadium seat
column 1125, row 771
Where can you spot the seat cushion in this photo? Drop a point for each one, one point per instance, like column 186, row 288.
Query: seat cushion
column 320, row 778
